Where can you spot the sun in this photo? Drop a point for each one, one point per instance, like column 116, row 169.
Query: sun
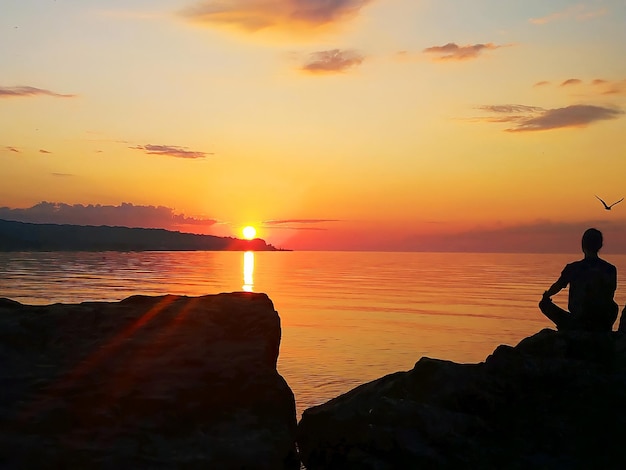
column 249, row 232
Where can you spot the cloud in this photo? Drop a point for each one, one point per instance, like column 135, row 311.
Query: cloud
column 402, row 53
column 61, row 175
column 511, row 108
column 613, row 88
column 281, row 15
column 332, row 61
column 124, row 215
column 23, row 91
column 533, row 118
column 570, row 116
column 298, row 221
column 571, row 81
column 170, row 151
column 578, row 12
column 452, row 51
column 13, row 149
column 595, row 87
column 508, row 112
column 296, row 224
column 44, row 151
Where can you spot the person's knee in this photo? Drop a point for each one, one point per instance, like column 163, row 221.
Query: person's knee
column 545, row 304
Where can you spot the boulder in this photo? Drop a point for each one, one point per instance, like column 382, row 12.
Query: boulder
column 557, row 400
column 149, row 382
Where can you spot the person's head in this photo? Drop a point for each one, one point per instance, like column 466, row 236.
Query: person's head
column 592, row 241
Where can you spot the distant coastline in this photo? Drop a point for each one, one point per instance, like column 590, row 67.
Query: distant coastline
column 23, row 236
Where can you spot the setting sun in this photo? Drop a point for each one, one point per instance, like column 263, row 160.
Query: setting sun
column 249, row 232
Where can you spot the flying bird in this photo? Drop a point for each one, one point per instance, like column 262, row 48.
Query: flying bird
column 608, row 207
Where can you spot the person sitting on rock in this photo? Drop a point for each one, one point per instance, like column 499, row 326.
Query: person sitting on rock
column 592, row 283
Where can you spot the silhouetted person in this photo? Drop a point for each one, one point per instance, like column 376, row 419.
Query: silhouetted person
column 592, row 283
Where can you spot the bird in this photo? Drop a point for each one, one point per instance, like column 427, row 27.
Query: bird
column 608, row 207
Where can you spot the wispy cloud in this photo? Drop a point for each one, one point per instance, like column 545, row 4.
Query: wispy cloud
column 570, row 116
column 595, row 87
column 170, row 151
column 532, row 118
column 282, row 15
column 44, row 151
column 13, row 149
column 125, row 215
column 452, row 51
column 511, row 108
column 332, row 61
column 579, row 12
column 298, row 221
column 611, row 88
column 297, row 224
column 571, row 81
column 62, row 175
column 26, row 91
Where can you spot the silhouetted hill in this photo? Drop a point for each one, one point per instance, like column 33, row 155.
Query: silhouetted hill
column 21, row 236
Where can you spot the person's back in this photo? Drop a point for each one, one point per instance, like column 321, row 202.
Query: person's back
column 592, row 283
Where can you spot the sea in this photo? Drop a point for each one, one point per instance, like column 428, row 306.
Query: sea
column 347, row 317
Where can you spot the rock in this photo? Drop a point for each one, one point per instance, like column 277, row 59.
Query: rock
column 148, row 382
column 555, row 401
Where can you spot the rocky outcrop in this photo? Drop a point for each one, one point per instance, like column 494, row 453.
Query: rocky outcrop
column 555, row 401
column 148, row 382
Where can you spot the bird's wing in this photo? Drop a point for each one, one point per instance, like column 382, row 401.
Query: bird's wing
column 603, row 203
column 617, row 202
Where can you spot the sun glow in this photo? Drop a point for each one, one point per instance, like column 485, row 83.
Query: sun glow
column 249, row 232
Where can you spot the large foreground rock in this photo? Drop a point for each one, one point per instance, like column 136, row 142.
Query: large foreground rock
column 148, row 382
column 554, row 401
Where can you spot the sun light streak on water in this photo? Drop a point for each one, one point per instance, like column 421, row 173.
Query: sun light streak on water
column 248, row 271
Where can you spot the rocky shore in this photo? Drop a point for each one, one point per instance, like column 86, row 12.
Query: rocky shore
column 555, row 401
column 191, row 382
column 148, row 382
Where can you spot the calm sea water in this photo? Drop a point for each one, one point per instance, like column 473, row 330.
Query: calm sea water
column 347, row 317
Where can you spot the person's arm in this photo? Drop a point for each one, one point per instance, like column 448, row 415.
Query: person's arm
column 556, row 287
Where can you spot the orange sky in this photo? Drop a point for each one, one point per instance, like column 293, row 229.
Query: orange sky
column 334, row 125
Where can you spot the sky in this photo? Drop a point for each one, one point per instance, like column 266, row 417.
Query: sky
column 387, row 125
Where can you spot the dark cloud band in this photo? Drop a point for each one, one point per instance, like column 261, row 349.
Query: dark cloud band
column 125, row 215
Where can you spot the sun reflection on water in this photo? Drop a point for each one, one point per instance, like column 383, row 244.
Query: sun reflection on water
column 248, row 271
